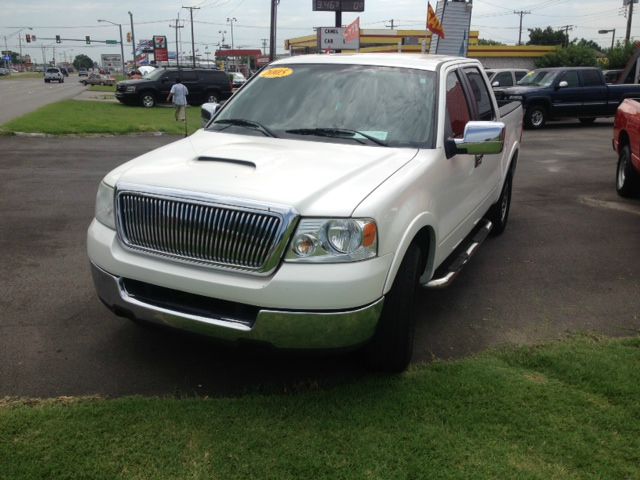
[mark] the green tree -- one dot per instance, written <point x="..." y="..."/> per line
<point x="548" y="36"/>
<point x="583" y="42"/>
<point x="482" y="41"/>
<point x="572" y="56"/>
<point x="620" y="55"/>
<point x="82" y="62"/>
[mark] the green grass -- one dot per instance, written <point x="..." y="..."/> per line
<point x="22" y="76"/>
<point x="102" y="88"/>
<point x="88" y="117"/>
<point x="568" y="410"/>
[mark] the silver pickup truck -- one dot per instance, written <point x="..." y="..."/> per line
<point x="313" y="205"/>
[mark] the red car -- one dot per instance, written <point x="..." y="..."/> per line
<point x="626" y="142"/>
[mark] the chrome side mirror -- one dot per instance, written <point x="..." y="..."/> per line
<point x="563" y="84"/>
<point x="495" y="84"/>
<point x="207" y="111"/>
<point x="481" y="138"/>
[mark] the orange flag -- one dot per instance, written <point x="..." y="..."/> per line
<point x="433" y="22"/>
<point x="352" y="32"/>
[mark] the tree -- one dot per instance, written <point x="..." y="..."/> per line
<point x="548" y="36"/>
<point x="583" y="42"/>
<point x="620" y="55"/>
<point x="482" y="41"/>
<point x="82" y="62"/>
<point x="572" y="56"/>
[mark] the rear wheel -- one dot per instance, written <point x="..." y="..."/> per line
<point x="148" y="100"/>
<point x="212" y="97"/>
<point x="627" y="179"/>
<point x="499" y="213"/>
<point x="535" y="117"/>
<point x="391" y="348"/>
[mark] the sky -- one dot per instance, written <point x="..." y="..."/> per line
<point x="75" y="19"/>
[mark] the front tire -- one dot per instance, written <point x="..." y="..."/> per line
<point x="535" y="117"/>
<point x="627" y="179"/>
<point x="391" y="348"/>
<point x="148" y="100"/>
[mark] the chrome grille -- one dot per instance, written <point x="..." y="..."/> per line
<point x="197" y="231"/>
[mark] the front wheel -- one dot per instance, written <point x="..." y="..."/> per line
<point x="391" y="348"/>
<point x="535" y="117"/>
<point x="148" y="100"/>
<point x="212" y="97"/>
<point x="627" y="179"/>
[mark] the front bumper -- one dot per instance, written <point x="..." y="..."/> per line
<point x="280" y="328"/>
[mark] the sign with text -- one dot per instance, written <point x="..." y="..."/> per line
<point x="112" y="61"/>
<point x="160" y="52"/>
<point x="338" y="5"/>
<point x="332" y="38"/>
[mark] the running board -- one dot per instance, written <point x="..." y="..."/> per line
<point x="454" y="267"/>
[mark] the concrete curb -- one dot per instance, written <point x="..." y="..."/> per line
<point x="87" y="135"/>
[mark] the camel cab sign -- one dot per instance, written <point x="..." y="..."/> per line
<point x="332" y="38"/>
<point x="338" y="5"/>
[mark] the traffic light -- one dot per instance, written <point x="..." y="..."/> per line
<point x="87" y="39"/>
<point x="128" y="37"/>
<point x="27" y="37"/>
<point x="58" y="39"/>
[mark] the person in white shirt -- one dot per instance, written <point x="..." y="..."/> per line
<point x="179" y="95"/>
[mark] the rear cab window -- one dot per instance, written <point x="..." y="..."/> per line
<point x="591" y="78"/>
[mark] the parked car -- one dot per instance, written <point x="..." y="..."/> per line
<point x="83" y="73"/>
<point x="53" y="74"/>
<point x="578" y="92"/>
<point x="505" y="77"/>
<point x="4" y="71"/>
<point x="98" y="79"/>
<point x="237" y="79"/>
<point x="203" y="85"/>
<point x="306" y="215"/>
<point x="626" y="143"/>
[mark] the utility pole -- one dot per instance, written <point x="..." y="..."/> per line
<point x="566" y="29"/>
<point x="177" y="26"/>
<point x="264" y="45"/>
<point x="274" y="24"/>
<point x="133" y="42"/>
<point x="6" y="63"/>
<point x="521" y="13"/>
<point x="193" y="44"/>
<point x="233" y="57"/>
<point x="392" y="23"/>
<point x="629" y="19"/>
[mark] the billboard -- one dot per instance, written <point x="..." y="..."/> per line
<point x="111" y="61"/>
<point x="332" y="38"/>
<point x="338" y="5"/>
<point x="160" y="52"/>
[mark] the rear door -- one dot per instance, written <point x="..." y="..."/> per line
<point x="594" y="96"/>
<point x="567" y="101"/>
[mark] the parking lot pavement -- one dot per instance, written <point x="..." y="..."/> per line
<point x="18" y="97"/>
<point x="568" y="262"/>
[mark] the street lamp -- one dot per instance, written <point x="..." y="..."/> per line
<point x="121" y="44"/>
<point x="613" y="37"/>
<point x="133" y="41"/>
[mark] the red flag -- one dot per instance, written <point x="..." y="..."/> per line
<point x="433" y="22"/>
<point x="352" y="32"/>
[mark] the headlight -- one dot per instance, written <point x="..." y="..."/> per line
<point x="515" y="97"/>
<point x="104" y="206"/>
<point x="333" y="240"/>
<point x="131" y="89"/>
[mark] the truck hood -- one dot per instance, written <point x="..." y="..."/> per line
<point x="315" y="178"/>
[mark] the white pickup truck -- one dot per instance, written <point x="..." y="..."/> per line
<point x="312" y="205"/>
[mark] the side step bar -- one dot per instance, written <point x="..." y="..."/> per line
<point x="445" y="276"/>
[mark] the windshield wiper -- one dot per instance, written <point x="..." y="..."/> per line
<point x="337" y="133"/>
<point x="240" y="122"/>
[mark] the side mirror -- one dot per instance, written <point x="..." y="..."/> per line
<point x="563" y="84"/>
<point x="207" y="111"/>
<point x="495" y="84"/>
<point x="481" y="138"/>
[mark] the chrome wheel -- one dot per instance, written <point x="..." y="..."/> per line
<point x="622" y="166"/>
<point x="537" y="118"/>
<point x="211" y="98"/>
<point x="148" y="101"/>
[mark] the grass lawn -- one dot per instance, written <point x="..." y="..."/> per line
<point x="22" y="76"/>
<point x="102" y="88"/>
<point x="566" y="410"/>
<point x="86" y="117"/>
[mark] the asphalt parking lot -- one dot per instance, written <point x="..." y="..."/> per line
<point x="568" y="262"/>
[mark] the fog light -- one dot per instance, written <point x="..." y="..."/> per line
<point x="304" y="245"/>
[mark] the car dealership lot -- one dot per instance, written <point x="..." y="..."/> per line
<point x="568" y="262"/>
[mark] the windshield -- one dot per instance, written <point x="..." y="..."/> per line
<point x="52" y="70"/>
<point x="538" y="78"/>
<point x="321" y="102"/>
<point x="155" y="75"/>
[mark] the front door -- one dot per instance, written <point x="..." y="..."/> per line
<point x="567" y="101"/>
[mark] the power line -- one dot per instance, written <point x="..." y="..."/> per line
<point x="522" y="13"/>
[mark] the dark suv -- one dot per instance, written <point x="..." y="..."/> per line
<point x="203" y="85"/>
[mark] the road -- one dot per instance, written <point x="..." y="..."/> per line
<point x="18" y="97"/>
<point x="568" y="262"/>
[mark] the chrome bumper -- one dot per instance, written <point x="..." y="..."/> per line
<point x="282" y="329"/>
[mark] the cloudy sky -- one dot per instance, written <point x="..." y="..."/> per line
<point x="74" y="19"/>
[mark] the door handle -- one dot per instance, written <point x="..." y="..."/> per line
<point x="478" y="160"/>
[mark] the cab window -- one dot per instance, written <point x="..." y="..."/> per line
<point x="457" y="112"/>
<point x="504" y="79"/>
<point x="571" y="77"/>
<point x="480" y="94"/>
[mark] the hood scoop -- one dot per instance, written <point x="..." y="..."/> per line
<point x="230" y="161"/>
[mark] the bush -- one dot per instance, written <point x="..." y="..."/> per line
<point x="620" y="55"/>
<point x="572" y="56"/>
